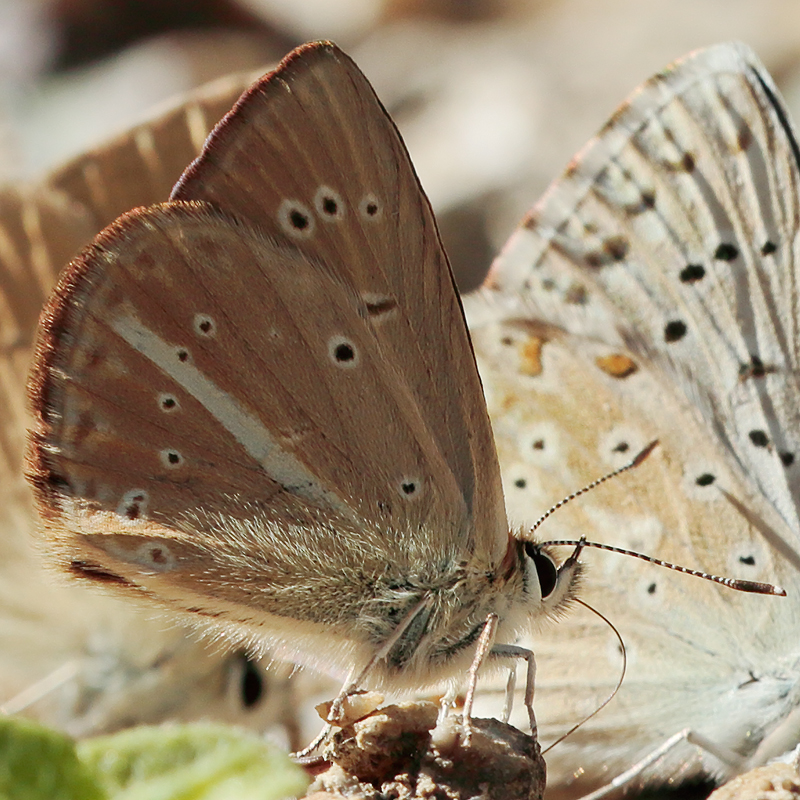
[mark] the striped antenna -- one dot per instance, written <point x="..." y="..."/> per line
<point x="754" y="587"/>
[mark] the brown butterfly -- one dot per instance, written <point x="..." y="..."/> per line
<point x="257" y="405"/>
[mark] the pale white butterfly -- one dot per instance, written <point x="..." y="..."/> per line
<point x="85" y="666"/>
<point x="652" y="293"/>
<point x="257" y="405"/>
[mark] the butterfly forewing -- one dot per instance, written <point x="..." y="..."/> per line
<point x="352" y="204"/>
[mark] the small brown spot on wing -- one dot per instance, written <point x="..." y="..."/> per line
<point x="510" y="401"/>
<point x="577" y="295"/>
<point x="744" y="138"/>
<point x="687" y="163"/>
<point x="85" y="427"/>
<point x="755" y="368"/>
<point x="531" y="220"/>
<point x="380" y="306"/>
<point x="647" y="202"/>
<point x="531" y="356"/>
<point x="617" y="365"/>
<point x="614" y="249"/>
<point x="145" y="261"/>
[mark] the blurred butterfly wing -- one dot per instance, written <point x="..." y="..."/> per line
<point x="40" y="230"/>
<point x="673" y="233"/>
<point x="28" y="264"/>
<point x="352" y="204"/>
<point x="44" y="226"/>
<point x="140" y="166"/>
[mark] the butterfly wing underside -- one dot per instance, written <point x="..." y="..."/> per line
<point x="655" y="284"/>
<point x="82" y="666"/>
<point x="266" y="386"/>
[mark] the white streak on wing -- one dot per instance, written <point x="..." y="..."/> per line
<point x="240" y="423"/>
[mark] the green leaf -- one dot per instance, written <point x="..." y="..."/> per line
<point x="191" y="762"/>
<point x="37" y="763"/>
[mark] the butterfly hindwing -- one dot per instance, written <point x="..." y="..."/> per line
<point x="566" y="410"/>
<point x="85" y="666"/>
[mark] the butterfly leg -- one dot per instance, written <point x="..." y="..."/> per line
<point x="511" y="684"/>
<point x="349" y="688"/>
<point x="446" y="704"/>
<point x="512" y="651"/>
<point x="483" y="649"/>
<point x="301" y="756"/>
<point x="351" y="685"/>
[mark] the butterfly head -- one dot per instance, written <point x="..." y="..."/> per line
<point x="551" y="586"/>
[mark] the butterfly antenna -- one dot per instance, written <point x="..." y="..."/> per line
<point x="613" y="691"/>
<point x="635" y="462"/>
<point x="755" y="587"/>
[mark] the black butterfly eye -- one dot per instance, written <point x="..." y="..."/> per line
<point x="545" y="569"/>
<point x="251" y="683"/>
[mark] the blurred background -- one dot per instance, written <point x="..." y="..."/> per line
<point x="492" y="96"/>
